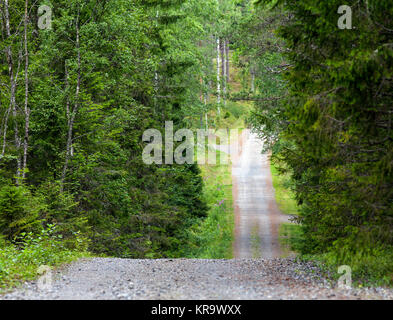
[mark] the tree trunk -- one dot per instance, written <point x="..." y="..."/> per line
<point x="222" y="53"/>
<point x="227" y="59"/>
<point x="205" y="102"/>
<point x="75" y="110"/>
<point x="224" y="71"/>
<point x="27" y="111"/>
<point x="13" y="84"/>
<point x="252" y="80"/>
<point x="218" y="77"/>
<point x="7" y="114"/>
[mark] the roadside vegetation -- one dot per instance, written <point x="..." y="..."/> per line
<point x="21" y="260"/>
<point x="369" y="268"/>
<point x="290" y="234"/>
<point x="284" y="196"/>
<point x="75" y="101"/>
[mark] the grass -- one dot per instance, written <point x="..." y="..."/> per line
<point x="255" y="242"/>
<point x="21" y="261"/>
<point x="289" y="233"/>
<point x="284" y="196"/>
<point x="233" y="115"/>
<point x="371" y="263"/>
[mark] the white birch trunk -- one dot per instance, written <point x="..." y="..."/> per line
<point x="218" y="77"/>
<point x="27" y="111"/>
<point x="224" y="69"/>
<point x="227" y="59"/>
<point x="69" y="148"/>
<point x="205" y="102"/>
<point x="13" y="84"/>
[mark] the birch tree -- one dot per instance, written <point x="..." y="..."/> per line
<point x="26" y="109"/>
<point x="218" y="76"/>
<point x="73" y="113"/>
<point x="13" y="72"/>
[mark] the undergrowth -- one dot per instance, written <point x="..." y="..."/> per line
<point x="21" y="259"/>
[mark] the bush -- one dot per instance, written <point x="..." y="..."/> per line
<point x="19" y="211"/>
<point x="62" y="210"/>
<point x="20" y="261"/>
<point x="237" y="110"/>
<point x="371" y="262"/>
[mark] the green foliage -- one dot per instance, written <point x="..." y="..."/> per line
<point x="371" y="264"/>
<point x="19" y="212"/>
<point x="120" y="67"/>
<point x="259" y="53"/>
<point x="291" y="236"/>
<point x="235" y="110"/>
<point x="20" y="261"/>
<point x="282" y="191"/>
<point x="59" y="209"/>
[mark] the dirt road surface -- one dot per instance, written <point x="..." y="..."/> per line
<point x="257" y="215"/>
<point x="238" y="279"/>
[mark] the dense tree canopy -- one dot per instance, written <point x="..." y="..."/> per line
<point x="75" y="101"/>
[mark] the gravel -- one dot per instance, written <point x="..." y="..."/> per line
<point x="190" y="279"/>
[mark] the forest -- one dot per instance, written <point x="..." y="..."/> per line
<point x="82" y="80"/>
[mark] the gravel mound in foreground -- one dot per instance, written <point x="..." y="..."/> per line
<point x="239" y="279"/>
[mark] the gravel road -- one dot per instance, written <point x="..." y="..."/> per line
<point x="251" y="279"/>
<point x="257" y="215"/>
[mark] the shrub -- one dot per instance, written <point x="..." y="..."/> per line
<point x="19" y="211"/>
<point x="19" y="261"/>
